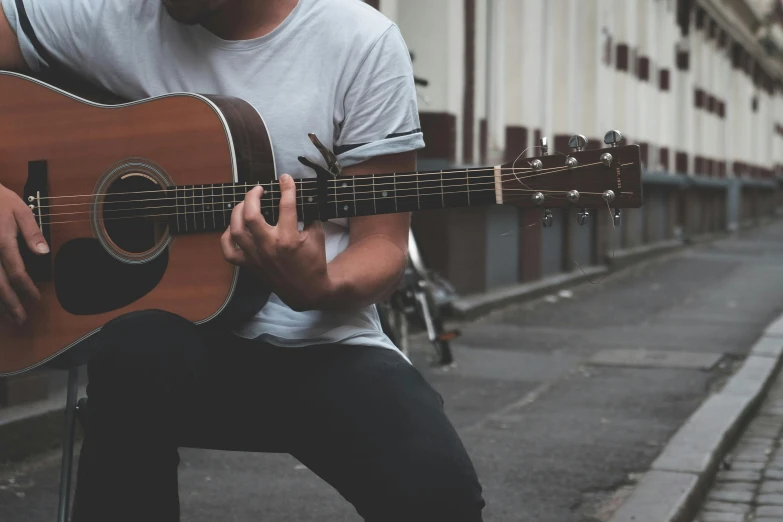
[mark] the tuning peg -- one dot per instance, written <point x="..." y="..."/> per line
<point x="616" y="217"/>
<point x="582" y="216"/>
<point x="544" y="146"/>
<point x="548" y="218"/>
<point x="577" y="142"/>
<point x="613" y="137"/>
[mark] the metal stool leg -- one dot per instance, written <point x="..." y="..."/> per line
<point x="67" y="460"/>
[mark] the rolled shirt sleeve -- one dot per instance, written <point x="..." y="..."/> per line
<point x="380" y="107"/>
<point x="53" y="30"/>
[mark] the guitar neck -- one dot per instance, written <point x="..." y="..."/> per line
<point x="204" y="208"/>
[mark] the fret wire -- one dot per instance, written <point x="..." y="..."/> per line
<point x="336" y="207"/>
<point x="353" y="184"/>
<point x="193" y="203"/>
<point x="418" y="198"/>
<point x="467" y="183"/>
<point x="234" y="197"/>
<point x="195" y="209"/>
<point x="212" y="203"/>
<point x="302" y="202"/>
<point x="223" y="204"/>
<point x="203" y="214"/>
<point x="394" y="176"/>
<point x="272" y="190"/>
<point x="374" y="208"/>
<point x="442" y="195"/>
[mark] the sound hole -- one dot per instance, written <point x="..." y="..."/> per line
<point x="134" y="213"/>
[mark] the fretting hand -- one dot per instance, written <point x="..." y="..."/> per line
<point x="290" y="262"/>
<point x="15" y="284"/>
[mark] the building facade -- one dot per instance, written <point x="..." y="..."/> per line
<point x="697" y="84"/>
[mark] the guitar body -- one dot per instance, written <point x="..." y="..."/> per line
<point x="57" y="146"/>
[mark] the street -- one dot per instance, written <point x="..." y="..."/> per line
<point x="556" y="435"/>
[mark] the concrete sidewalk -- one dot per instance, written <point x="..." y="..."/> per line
<point x="749" y="488"/>
<point x="563" y="402"/>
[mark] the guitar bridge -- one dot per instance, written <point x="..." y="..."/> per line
<point x="36" y="195"/>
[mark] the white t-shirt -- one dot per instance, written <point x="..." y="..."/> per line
<point x="338" y="68"/>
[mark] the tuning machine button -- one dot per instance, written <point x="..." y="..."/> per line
<point x="548" y="218"/>
<point x="613" y="137"/>
<point x="609" y="196"/>
<point x="577" y="142"/>
<point x="536" y="164"/>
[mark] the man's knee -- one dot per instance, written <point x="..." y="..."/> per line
<point x="436" y="487"/>
<point x="141" y="349"/>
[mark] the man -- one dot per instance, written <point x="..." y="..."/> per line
<point x="311" y="374"/>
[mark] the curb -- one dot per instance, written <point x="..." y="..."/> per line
<point x="675" y="486"/>
<point x="29" y="429"/>
<point x="630" y="256"/>
<point x="474" y="306"/>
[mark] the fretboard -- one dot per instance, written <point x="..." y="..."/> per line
<point x="204" y="208"/>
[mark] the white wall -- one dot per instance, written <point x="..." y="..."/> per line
<point x="545" y="70"/>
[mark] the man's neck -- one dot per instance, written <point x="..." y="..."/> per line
<point x="247" y="19"/>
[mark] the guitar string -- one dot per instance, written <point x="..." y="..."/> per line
<point x="510" y="200"/>
<point x="339" y="180"/>
<point x="300" y="205"/>
<point x="300" y="201"/>
<point x="273" y="192"/>
<point x="270" y="185"/>
<point x="217" y="201"/>
<point x="377" y="177"/>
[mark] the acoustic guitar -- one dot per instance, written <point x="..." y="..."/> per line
<point x="132" y="199"/>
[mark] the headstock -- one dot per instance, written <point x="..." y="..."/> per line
<point x="581" y="179"/>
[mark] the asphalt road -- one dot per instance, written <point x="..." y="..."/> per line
<point x="554" y="437"/>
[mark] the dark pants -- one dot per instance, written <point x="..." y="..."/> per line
<point x="361" y="418"/>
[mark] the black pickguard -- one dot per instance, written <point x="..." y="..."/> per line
<point x="89" y="281"/>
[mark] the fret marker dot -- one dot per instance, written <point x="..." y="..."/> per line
<point x="228" y="205"/>
<point x="310" y="199"/>
<point x="345" y="207"/>
<point x="345" y="184"/>
<point x="384" y="193"/>
<point x="209" y="207"/>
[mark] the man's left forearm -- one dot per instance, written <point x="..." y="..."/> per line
<point x="368" y="271"/>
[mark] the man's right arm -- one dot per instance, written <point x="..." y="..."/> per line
<point x="11" y="58"/>
<point x="15" y="217"/>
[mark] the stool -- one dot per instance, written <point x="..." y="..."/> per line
<point x="73" y="409"/>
